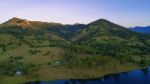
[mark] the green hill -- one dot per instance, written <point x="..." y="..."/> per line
<point x="107" y="37"/>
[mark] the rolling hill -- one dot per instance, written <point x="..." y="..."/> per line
<point x="108" y="38"/>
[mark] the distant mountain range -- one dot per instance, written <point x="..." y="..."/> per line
<point x="144" y="30"/>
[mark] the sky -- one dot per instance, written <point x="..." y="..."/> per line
<point x="128" y="13"/>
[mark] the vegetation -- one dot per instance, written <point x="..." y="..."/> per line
<point x="41" y="49"/>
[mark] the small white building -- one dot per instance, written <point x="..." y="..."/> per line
<point x="58" y="62"/>
<point x="18" y="73"/>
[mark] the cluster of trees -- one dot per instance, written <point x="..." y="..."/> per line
<point x="72" y="60"/>
<point x="113" y="49"/>
<point x="3" y="47"/>
<point x="144" y="62"/>
<point x="10" y="68"/>
<point x="14" y="64"/>
<point x="58" y="43"/>
<point x="100" y="52"/>
<point x="34" y="51"/>
<point x="47" y="53"/>
<point x="104" y="49"/>
<point x="15" y="58"/>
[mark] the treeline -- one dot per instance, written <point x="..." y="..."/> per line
<point x="103" y="55"/>
<point x="11" y="66"/>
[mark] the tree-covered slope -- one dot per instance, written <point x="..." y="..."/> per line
<point x="107" y="38"/>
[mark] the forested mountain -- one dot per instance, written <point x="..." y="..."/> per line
<point x="37" y="46"/>
<point x="109" y="39"/>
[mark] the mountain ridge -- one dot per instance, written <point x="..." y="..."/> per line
<point x="144" y="30"/>
<point x="24" y="23"/>
<point x="106" y="27"/>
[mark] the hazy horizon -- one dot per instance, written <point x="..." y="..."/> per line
<point x="123" y="12"/>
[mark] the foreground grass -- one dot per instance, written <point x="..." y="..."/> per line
<point x="47" y="74"/>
